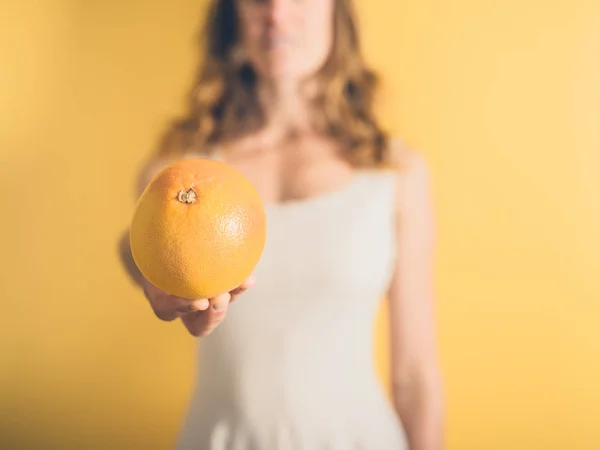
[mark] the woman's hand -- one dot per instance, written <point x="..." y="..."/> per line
<point x="200" y="316"/>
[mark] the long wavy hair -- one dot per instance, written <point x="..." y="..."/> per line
<point x="223" y="103"/>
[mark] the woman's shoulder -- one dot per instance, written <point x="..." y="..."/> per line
<point x="403" y="162"/>
<point x="412" y="174"/>
<point x="405" y="157"/>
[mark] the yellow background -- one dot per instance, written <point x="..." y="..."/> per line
<point x="502" y="97"/>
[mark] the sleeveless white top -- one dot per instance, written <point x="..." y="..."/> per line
<point x="292" y="367"/>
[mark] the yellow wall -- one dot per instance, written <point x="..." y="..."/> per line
<point x="502" y="97"/>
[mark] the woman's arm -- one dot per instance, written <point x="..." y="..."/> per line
<point x="416" y="380"/>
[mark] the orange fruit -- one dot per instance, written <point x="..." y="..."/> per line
<point x="198" y="229"/>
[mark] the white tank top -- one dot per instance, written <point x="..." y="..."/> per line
<point x="292" y="367"/>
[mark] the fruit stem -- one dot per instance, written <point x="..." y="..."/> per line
<point x="187" y="197"/>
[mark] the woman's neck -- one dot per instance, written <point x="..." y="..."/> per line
<point x="287" y="110"/>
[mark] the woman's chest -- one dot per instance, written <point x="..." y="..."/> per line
<point x="332" y="254"/>
<point x="292" y="170"/>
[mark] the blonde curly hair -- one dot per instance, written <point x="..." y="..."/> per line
<point x="223" y="103"/>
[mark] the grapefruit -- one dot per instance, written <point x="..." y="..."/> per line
<point x="198" y="229"/>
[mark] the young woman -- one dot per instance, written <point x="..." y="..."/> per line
<point x="285" y="96"/>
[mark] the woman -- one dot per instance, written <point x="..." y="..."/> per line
<point x="284" y="95"/>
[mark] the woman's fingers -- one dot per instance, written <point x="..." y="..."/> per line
<point x="247" y="284"/>
<point x="211" y="312"/>
<point x="200" y="316"/>
<point x="169" y="307"/>
<point x="202" y="323"/>
<point x="188" y="306"/>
